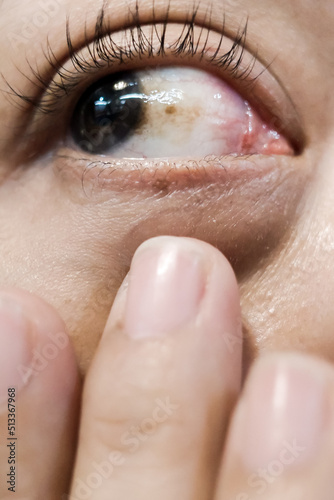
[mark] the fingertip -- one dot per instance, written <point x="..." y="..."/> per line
<point x="34" y="341"/>
<point x="39" y="375"/>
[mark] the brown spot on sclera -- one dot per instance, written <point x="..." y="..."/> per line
<point x="170" y="110"/>
<point x="161" y="185"/>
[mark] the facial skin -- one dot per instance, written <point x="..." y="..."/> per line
<point x="272" y="218"/>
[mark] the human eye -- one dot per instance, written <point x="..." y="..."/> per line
<point x="170" y="112"/>
<point x="160" y="90"/>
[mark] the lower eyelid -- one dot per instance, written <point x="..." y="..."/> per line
<point x="245" y="204"/>
<point x="135" y="175"/>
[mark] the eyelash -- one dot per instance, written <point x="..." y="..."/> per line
<point x="104" y="53"/>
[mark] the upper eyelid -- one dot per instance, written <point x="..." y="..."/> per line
<point x="102" y="42"/>
<point x="114" y="55"/>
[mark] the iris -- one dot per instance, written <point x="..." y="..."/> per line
<point x="108" y="113"/>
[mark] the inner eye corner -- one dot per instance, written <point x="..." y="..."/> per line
<point x="294" y="135"/>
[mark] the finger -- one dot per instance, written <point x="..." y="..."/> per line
<point x="281" y="441"/>
<point x="166" y="374"/>
<point x="38" y="399"/>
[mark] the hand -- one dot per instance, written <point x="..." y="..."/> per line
<point x="159" y="395"/>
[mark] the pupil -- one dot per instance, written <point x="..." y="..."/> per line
<point x="108" y="113"/>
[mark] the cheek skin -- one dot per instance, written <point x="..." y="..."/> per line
<point x="74" y="252"/>
<point x="289" y="303"/>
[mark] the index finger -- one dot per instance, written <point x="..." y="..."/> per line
<point x="164" y="379"/>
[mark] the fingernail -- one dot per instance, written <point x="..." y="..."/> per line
<point x="166" y="285"/>
<point x="284" y="415"/>
<point x="15" y="346"/>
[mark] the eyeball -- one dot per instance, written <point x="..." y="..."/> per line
<point x="170" y="112"/>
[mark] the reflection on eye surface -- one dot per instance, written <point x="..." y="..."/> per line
<point x="170" y="112"/>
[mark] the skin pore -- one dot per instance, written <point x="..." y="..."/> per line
<point x="256" y="221"/>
